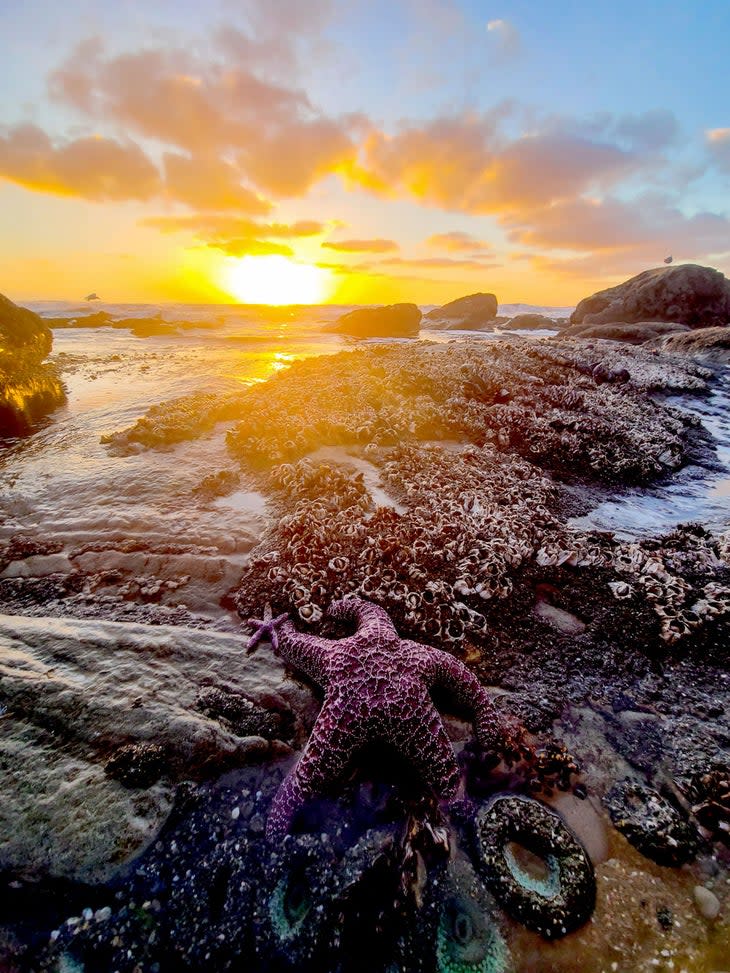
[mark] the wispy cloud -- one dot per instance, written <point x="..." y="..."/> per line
<point x="457" y="242"/>
<point x="611" y="237"/>
<point x="507" y="37"/>
<point x="252" y="248"/>
<point x="209" y="183"/>
<point x="362" y="246"/>
<point x="438" y="263"/>
<point x="208" y="226"/>
<point x="715" y="135"/>
<point x="718" y="147"/>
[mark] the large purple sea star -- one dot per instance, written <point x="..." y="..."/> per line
<point x="376" y="689"/>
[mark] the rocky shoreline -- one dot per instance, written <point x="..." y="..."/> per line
<point x="438" y="481"/>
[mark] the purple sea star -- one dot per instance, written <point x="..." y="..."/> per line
<point x="266" y="629"/>
<point x="376" y="689"/>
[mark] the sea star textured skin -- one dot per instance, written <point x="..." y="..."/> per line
<point x="376" y="689"/>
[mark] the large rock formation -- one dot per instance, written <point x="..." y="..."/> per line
<point x="102" y="719"/>
<point x="393" y="321"/>
<point x="28" y="388"/>
<point x="693" y="295"/>
<point x="469" y="312"/>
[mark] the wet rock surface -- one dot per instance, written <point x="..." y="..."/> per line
<point x="101" y="720"/>
<point x="29" y="389"/>
<point x="693" y="295"/>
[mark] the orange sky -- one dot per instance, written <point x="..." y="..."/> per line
<point x="170" y="152"/>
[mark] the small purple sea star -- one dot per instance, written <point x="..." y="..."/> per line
<point x="376" y="689"/>
<point x="266" y="629"/>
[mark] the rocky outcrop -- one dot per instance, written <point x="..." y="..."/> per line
<point x="469" y="312"/>
<point x="708" y="343"/>
<point x="99" y="319"/>
<point x="530" y="322"/>
<point x="632" y="334"/>
<point x="147" y="327"/>
<point x="102" y="719"/>
<point x="693" y="295"/>
<point x="143" y="327"/>
<point x="28" y="388"/>
<point x="393" y="321"/>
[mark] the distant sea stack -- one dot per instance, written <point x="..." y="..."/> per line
<point x="393" y="321"/>
<point x="470" y="313"/>
<point x="687" y="293"/>
<point x="29" y="388"/>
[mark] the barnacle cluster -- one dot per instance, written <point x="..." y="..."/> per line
<point x="473" y="517"/>
<point x="707" y="793"/>
<point x="184" y="418"/>
<point x="468" y="518"/>
<point x="646" y="370"/>
<point x="524" y="398"/>
<point x="673" y="579"/>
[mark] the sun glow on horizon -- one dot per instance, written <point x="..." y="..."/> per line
<point x="275" y="280"/>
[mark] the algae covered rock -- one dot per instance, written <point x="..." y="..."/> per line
<point x="394" y="321"/>
<point x="28" y="388"/>
<point x="688" y="293"/>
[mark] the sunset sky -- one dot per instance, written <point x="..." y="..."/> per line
<point x="413" y="150"/>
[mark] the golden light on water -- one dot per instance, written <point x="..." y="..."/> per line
<point x="275" y="280"/>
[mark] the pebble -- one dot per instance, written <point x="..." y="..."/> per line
<point x="235" y="813"/>
<point x="707" y="902"/>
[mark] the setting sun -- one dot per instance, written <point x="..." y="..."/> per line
<point x="275" y="280"/>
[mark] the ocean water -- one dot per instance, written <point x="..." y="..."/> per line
<point x="693" y="495"/>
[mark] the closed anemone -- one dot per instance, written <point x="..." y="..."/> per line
<point x="467" y="940"/>
<point x="290" y="905"/>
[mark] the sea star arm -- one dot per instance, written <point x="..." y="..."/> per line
<point x="372" y="622"/>
<point x="304" y="652"/>
<point x="441" y="669"/>
<point x="326" y="755"/>
<point x="426" y="745"/>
